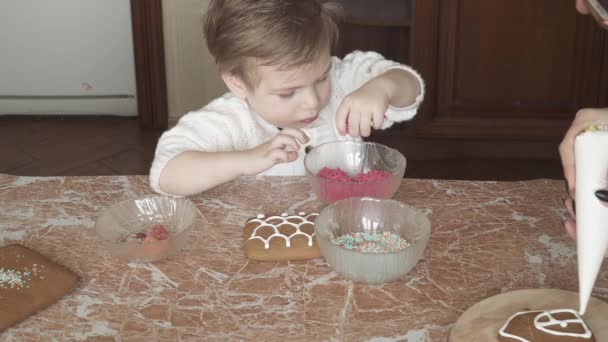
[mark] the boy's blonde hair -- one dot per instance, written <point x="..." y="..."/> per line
<point x="243" y="33"/>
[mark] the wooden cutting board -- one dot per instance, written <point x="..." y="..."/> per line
<point x="481" y="322"/>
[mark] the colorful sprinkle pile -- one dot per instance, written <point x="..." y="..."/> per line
<point x="371" y="243"/>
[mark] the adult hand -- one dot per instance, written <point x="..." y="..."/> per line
<point x="583" y="120"/>
<point x="582" y="8"/>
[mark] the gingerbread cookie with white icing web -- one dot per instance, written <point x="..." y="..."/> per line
<point x="546" y="326"/>
<point x="284" y="237"/>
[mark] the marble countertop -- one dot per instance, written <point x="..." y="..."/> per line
<point x="487" y="238"/>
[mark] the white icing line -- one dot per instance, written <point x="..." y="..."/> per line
<point x="284" y="218"/>
<point x="562" y="323"/>
<point x="552" y="321"/>
<point x="267" y="241"/>
<point x="502" y="331"/>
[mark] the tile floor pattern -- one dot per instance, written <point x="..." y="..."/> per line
<point x="69" y="146"/>
<point x="89" y="146"/>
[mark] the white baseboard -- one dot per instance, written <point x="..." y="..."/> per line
<point x="120" y="105"/>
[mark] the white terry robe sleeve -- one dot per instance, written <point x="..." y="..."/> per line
<point x="359" y="67"/>
<point x="215" y="128"/>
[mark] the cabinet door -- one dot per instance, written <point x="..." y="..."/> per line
<point x="504" y="79"/>
<point x="380" y="25"/>
<point x="498" y="69"/>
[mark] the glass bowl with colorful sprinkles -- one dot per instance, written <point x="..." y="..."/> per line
<point x="370" y="240"/>
<point x="146" y="229"/>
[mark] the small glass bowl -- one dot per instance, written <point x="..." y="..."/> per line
<point x="118" y="226"/>
<point x="371" y="216"/>
<point x="354" y="158"/>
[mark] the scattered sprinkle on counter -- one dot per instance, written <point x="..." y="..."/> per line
<point x="371" y="243"/>
<point x="13" y="279"/>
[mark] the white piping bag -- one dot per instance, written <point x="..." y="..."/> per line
<point x="591" y="160"/>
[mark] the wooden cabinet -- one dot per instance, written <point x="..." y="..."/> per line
<point x="504" y="78"/>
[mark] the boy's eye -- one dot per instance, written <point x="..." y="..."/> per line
<point x="323" y="78"/>
<point x="286" y="96"/>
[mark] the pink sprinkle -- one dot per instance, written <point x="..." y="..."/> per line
<point x="341" y="175"/>
<point x="159" y="232"/>
<point x="336" y="184"/>
<point x="372" y="176"/>
<point x="335" y="174"/>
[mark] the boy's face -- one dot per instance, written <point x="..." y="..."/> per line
<point x="291" y="98"/>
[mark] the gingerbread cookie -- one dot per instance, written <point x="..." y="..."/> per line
<point x="545" y="326"/>
<point x="29" y="282"/>
<point x="285" y="237"/>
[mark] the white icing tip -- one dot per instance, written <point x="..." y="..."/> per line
<point x="284" y="214"/>
<point x="260" y="216"/>
<point x="302" y="213"/>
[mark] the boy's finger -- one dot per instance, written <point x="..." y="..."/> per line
<point x="298" y="134"/>
<point x="281" y="156"/>
<point x="342" y="117"/>
<point x="353" y="124"/>
<point x="291" y="156"/>
<point x="366" y="123"/>
<point x="283" y="140"/>
<point x="378" y="119"/>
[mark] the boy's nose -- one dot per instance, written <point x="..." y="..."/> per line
<point x="312" y="100"/>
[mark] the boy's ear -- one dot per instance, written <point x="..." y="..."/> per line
<point x="236" y="85"/>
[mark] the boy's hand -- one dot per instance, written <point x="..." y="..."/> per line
<point x="283" y="148"/>
<point x="364" y="108"/>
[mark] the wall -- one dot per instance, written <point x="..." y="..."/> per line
<point x="192" y="77"/>
<point x="66" y="57"/>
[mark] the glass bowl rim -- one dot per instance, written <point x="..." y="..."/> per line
<point x="402" y="160"/>
<point x="114" y="206"/>
<point x="425" y="236"/>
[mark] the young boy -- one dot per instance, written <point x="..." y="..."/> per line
<point x="286" y="93"/>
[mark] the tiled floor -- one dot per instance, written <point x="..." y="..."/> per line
<point x="56" y="146"/>
<point x="51" y="146"/>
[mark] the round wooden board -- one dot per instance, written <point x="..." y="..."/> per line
<point x="481" y="322"/>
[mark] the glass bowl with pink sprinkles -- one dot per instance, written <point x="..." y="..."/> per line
<point x="342" y="169"/>
<point x="371" y="240"/>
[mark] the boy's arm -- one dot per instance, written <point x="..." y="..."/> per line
<point x="208" y="148"/>
<point x="192" y="172"/>
<point x="407" y="95"/>
<point x="196" y="131"/>
<point x="401" y="86"/>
